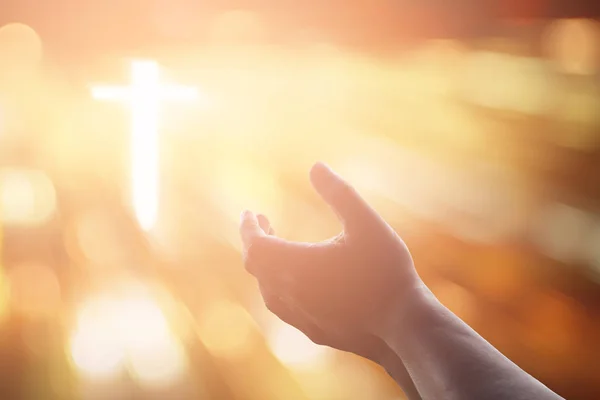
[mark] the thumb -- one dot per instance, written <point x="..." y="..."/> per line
<point x="340" y="195"/>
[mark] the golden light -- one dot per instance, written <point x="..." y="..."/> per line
<point x="415" y="194"/>
<point x="34" y="290"/>
<point x="239" y="185"/>
<point x="144" y="97"/>
<point x="225" y="329"/>
<point x="507" y="82"/>
<point x="129" y="331"/>
<point x="20" y="46"/>
<point x="27" y="197"/>
<point x="294" y="349"/>
<point x="93" y="237"/>
<point x="574" y="44"/>
<point x="156" y="358"/>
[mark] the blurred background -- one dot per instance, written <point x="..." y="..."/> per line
<point x="473" y="127"/>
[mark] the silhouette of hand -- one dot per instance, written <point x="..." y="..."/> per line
<point x="336" y="291"/>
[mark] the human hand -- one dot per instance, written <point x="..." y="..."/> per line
<point x="342" y="287"/>
<point x="364" y="345"/>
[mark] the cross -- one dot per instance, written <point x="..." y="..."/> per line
<point x="144" y="96"/>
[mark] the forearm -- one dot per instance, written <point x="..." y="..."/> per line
<point x="397" y="370"/>
<point x="447" y="359"/>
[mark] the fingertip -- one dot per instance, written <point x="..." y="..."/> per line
<point x="249" y="220"/>
<point x="338" y="193"/>
<point x="249" y="227"/>
<point x="320" y="165"/>
<point x="319" y="170"/>
<point x="246" y="215"/>
<point x="326" y="181"/>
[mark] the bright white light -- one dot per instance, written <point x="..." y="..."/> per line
<point x="160" y="365"/>
<point x="132" y="331"/>
<point x="143" y="324"/>
<point x="96" y="355"/>
<point x="293" y="348"/>
<point x="144" y="97"/>
<point x="96" y="350"/>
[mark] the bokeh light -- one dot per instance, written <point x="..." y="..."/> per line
<point x="226" y="329"/>
<point x="160" y="365"/>
<point x="95" y="345"/>
<point x="93" y="237"/>
<point x="142" y="323"/>
<point x="127" y="330"/>
<point x="27" y="197"/>
<point x="480" y="151"/>
<point x="293" y="348"/>
<point x="20" y="46"/>
<point x="574" y="45"/>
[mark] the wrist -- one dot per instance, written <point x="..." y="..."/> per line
<point x="374" y="349"/>
<point x="398" y="315"/>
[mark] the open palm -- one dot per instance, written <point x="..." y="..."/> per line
<point x="338" y="286"/>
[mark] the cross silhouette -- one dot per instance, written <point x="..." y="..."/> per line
<point x="144" y="97"/>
